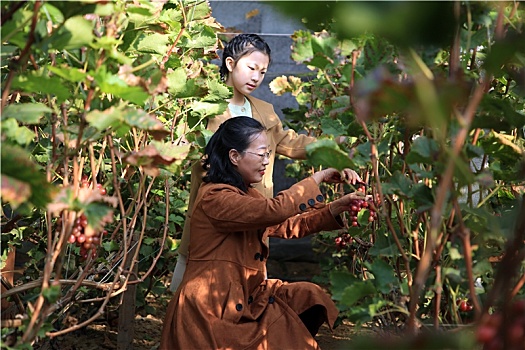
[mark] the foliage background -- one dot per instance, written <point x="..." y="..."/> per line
<point x="115" y="95"/>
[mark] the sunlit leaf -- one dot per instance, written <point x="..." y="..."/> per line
<point x="35" y="82"/>
<point x="17" y="164"/>
<point x="75" y="33"/>
<point x="14" y="191"/>
<point x="28" y="113"/>
<point x="19" y="134"/>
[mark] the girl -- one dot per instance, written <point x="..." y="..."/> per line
<point x="224" y="300"/>
<point x="245" y="61"/>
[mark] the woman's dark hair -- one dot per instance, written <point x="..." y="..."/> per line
<point x="235" y="133"/>
<point x="242" y="45"/>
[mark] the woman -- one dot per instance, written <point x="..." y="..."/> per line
<point x="224" y="300"/>
<point x="245" y="61"/>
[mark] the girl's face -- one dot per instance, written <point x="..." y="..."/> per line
<point x="248" y="73"/>
<point x="251" y="163"/>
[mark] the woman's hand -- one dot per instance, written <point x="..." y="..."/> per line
<point x="332" y="175"/>
<point x="344" y="203"/>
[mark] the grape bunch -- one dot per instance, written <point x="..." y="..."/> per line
<point x="83" y="235"/>
<point x="343" y="241"/>
<point x="495" y="334"/>
<point x="88" y="240"/>
<point x="358" y="205"/>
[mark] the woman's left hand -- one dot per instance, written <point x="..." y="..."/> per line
<point x="332" y="175"/>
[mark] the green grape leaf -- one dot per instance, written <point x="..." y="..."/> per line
<point x="327" y="153"/>
<point x="27" y="113"/>
<point x="356" y="291"/>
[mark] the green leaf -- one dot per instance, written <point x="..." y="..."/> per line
<point x="302" y="46"/>
<point x="384" y="246"/>
<point x="140" y="119"/>
<point x="112" y="84"/>
<point x="51" y="294"/>
<point x="110" y="246"/>
<point x="328" y="154"/>
<point x="332" y="127"/>
<point x="17" y="164"/>
<point x="102" y="120"/>
<point x="172" y="17"/>
<point x="423" y="196"/>
<point x="28" y="113"/>
<point x="205" y="109"/>
<point x="75" y="33"/>
<point x="399" y="184"/>
<point x="154" y="44"/>
<point x="36" y="82"/>
<point x="206" y="37"/>
<point x="340" y="280"/>
<point x="362" y="217"/>
<point x="177" y="81"/>
<point x="19" y="134"/>
<point x="68" y="73"/>
<point x="424" y="150"/>
<point x="385" y="279"/>
<point x="356" y="291"/>
<point x="95" y="212"/>
<point x="217" y="91"/>
<point x="172" y="150"/>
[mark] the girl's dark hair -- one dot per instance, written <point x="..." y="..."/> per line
<point x="242" y="45"/>
<point x="235" y="133"/>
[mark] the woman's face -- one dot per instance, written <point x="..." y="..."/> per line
<point x="248" y="73"/>
<point x="251" y="163"/>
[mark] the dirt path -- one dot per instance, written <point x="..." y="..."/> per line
<point x="103" y="334"/>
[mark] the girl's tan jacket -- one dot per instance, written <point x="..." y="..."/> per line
<point x="284" y="142"/>
<point x="224" y="301"/>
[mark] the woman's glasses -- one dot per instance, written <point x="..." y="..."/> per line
<point x="261" y="155"/>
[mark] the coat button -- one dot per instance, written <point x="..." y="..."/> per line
<point x="271" y="300"/>
<point x="311" y="202"/>
<point x="302" y="207"/>
<point x="257" y="256"/>
<point x="320" y="198"/>
<point x="238" y="307"/>
<point x="250" y="299"/>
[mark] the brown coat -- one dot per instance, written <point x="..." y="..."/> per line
<point x="224" y="301"/>
<point x="284" y="142"/>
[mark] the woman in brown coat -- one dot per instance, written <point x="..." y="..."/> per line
<point x="224" y="300"/>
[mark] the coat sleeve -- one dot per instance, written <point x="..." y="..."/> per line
<point x="301" y="225"/>
<point x="286" y="142"/>
<point x="229" y="209"/>
<point x="290" y="143"/>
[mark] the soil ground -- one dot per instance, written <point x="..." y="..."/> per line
<point x="102" y="334"/>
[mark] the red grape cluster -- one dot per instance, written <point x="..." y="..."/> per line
<point x="464" y="305"/>
<point x="493" y="336"/>
<point x="83" y="236"/>
<point x="87" y="240"/>
<point x="343" y="241"/>
<point x="360" y="204"/>
<point x="85" y="184"/>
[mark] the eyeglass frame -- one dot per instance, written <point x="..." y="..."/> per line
<point x="264" y="155"/>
